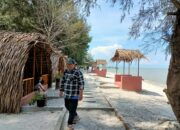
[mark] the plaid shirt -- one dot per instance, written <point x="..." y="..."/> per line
<point x="72" y="82"/>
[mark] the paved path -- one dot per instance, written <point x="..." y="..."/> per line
<point x="104" y="107"/>
<point x="95" y="111"/>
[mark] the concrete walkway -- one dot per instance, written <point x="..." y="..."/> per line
<point x="104" y="107"/>
<point x="95" y="111"/>
<point x="35" y="118"/>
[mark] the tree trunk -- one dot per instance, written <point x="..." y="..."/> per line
<point x="173" y="79"/>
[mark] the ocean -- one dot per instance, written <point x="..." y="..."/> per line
<point x="155" y="76"/>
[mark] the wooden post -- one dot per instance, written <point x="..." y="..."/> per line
<point x="129" y="68"/>
<point x="124" y="67"/>
<point x="26" y="88"/>
<point x="34" y="63"/>
<point x="41" y="61"/>
<point x="138" y="66"/>
<point x="116" y="68"/>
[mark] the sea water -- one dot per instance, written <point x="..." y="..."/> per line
<point x="156" y="76"/>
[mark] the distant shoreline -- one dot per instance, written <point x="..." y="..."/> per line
<point x="161" y="85"/>
<point x="155" y="83"/>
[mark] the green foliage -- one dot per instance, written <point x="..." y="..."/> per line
<point x="59" y="20"/>
<point x="37" y="96"/>
<point x="16" y="15"/>
<point x="79" y="43"/>
<point x="88" y="60"/>
<point x="58" y="75"/>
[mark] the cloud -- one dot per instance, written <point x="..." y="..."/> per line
<point x="104" y="52"/>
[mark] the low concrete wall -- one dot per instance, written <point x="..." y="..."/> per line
<point x="118" y="77"/>
<point x="26" y="99"/>
<point x="93" y="71"/>
<point x="132" y="83"/>
<point x="128" y="82"/>
<point x="102" y="73"/>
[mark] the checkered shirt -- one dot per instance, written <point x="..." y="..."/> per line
<point x="72" y="82"/>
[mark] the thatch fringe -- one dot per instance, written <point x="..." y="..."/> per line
<point x="100" y="61"/>
<point x="127" y="55"/>
<point x="14" y="51"/>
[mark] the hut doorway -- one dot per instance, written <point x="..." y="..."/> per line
<point x="38" y="65"/>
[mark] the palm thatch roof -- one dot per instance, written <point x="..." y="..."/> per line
<point x="127" y="55"/>
<point x="14" y="52"/>
<point x="100" y="61"/>
<point x="93" y="64"/>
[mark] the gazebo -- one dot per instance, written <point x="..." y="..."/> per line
<point x="96" y="67"/>
<point x="24" y="59"/>
<point x="127" y="81"/>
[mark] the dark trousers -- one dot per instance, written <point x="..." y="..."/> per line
<point x="71" y="106"/>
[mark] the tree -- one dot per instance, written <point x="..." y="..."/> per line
<point x="89" y="59"/>
<point x="59" y="20"/>
<point x="79" y="43"/>
<point x="15" y="15"/>
<point x="166" y="31"/>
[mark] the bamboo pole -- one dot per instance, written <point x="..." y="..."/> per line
<point x="34" y="64"/>
<point x="27" y="79"/>
<point x="129" y="68"/>
<point x="41" y="61"/>
<point x="124" y="67"/>
<point x="116" y="68"/>
<point x="26" y="88"/>
<point x="138" y="66"/>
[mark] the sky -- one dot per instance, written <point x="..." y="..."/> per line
<point x="109" y="34"/>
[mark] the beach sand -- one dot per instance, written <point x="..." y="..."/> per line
<point x="146" y="110"/>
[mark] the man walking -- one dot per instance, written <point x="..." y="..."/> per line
<point x="72" y="86"/>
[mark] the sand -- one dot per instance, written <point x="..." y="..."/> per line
<point x="146" y="110"/>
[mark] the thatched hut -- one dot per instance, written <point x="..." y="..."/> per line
<point x="124" y="81"/>
<point x="96" y="67"/>
<point x="126" y="55"/>
<point x="58" y="62"/>
<point x="24" y="58"/>
<point x="101" y="62"/>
